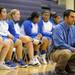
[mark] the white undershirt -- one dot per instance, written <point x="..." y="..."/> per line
<point x="47" y="27"/>
<point x="17" y="28"/>
<point x="22" y="30"/>
<point x="34" y="28"/>
<point x="4" y="28"/>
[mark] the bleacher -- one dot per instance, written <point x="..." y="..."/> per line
<point x="27" y="6"/>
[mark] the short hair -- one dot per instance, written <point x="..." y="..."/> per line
<point x="45" y="9"/>
<point x="67" y="12"/>
<point x="54" y="15"/>
<point x="34" y="14"/>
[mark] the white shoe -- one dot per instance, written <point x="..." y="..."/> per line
<point x="43" y="61"/>
<point x="34" y="61"/>
<point x="37" y="61"/>
<point x="4" y="67"/>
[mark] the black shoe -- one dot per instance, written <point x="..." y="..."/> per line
<point x="60" y="71"/>
<point x="67" y="68"/>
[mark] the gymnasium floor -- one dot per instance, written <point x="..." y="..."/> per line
<point x="30" y="70"/>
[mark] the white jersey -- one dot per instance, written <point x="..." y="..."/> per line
<point x="22" y="30"/>
<point x="47" y="27"/>
<point x="17" y="28"/>
<point x="34" y="28"/>
<point x="4" y="28"/>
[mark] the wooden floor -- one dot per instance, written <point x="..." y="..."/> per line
<point x="30" y="70"/>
